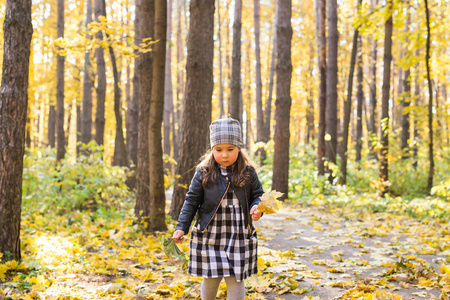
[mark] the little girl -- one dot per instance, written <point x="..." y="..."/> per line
<point x="224" y="194"/>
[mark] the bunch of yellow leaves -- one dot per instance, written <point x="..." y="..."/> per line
<point x="269" y="203"/>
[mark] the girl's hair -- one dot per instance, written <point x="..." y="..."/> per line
<point x="239" y="173"/>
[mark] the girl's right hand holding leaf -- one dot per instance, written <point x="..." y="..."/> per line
<point x="178" y="236"/>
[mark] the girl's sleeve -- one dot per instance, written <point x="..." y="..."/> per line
<point x="257" y="190"/>
<point x="193" y="200"/>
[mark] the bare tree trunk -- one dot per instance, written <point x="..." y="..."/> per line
<point x="332" y="80"/>
<point x="101" y="79"/>
<point x="86" y="124"/>
<point x="383" y="172"/>
<point x="17" y="34"/>
<point x="310" y="132"/>
<point x="322" y="62"/>
<point x="259" y="104"/>
<point x="157" y="218"/>
<point x="145" y="69"/>
<point x="197" y="107"/>
<point x="236" y="92"/>
<point x="268" y="110"/>
<point x="219" y="37"/>
<point x="120" y="150"/>
<point x="52" y="126"/>
<point x="348" y="109"/>
<point x="280" y="180"/>
<point x="416" y="104"/>
<point x="60" y="138"/>
<point x="360" y="97"/>
<point x="372" y="134"/>
<point x="133" y="108"/>
<point x="430" y="102"/>
<point x="168" y="89"/>
<point x="180" y="79"/>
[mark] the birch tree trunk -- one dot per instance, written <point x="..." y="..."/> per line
<point x="258" y="92"/>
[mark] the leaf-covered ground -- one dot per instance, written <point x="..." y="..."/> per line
<point x="305" y="251"/>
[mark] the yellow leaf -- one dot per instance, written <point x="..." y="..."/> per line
<point x="269" y="203"/>
<point x="40" y="283"/>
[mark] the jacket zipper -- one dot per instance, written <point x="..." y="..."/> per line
<point x="204" y="230"/>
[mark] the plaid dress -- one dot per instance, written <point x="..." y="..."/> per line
<point x="226" y="248"/>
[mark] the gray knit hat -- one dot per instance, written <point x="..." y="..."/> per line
<point x="225" y="131"/>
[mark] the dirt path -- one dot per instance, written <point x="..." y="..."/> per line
<point x="334" y="249"/>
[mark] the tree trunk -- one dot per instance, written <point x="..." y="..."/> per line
<point x="219" y="37"/>
<point x="120" y="150"/>
<point x="283" y="101"/>
<point x="60" y="138"/>
<point x="157" y="218"/>
<point x="17" y="32"/>
<point x="86" y="124"/>
<point x="197" y="106"/>
<point x="180" y="79"/>
<point x="268" y="110"/>
<point x="101" y="79"/>
<point x="430" y="102"/>
<point x="348" y="109"/>
<point x="145" y="69"/>
<point x="259" y="104"/>
<point x="383" y="172"/>
<point x="235" y="105"/>
<point x="372" y="134"/>
<point x="360" y="98"/>
<point x="168" y="89"/>
<point x="322" y="62"/>
<point x="52" y="126"/>
<point x="417" y="103"/>
<point x="332" y="80"/>
<point x="133" y="108"/>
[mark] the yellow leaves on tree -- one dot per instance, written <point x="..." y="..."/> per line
<point x="269" y="203"/>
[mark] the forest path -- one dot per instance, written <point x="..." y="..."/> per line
<point x="381" y="251"/>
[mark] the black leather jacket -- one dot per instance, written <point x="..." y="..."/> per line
<point x="206" y="201"/>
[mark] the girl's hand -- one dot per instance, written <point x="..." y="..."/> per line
<point x="178" y="236"/>
<point x="256" y="214"/>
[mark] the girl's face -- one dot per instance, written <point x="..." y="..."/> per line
<point x="225" y="154"/>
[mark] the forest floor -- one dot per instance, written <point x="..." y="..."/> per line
<point x="337" y="254"/>
<point x="305" y="252"/>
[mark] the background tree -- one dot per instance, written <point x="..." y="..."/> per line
<point x="384" y="150"/>
<point x="283" y="103"/>
<point x="86" y="124"/>
<point x="101" y="78"/>
<point x="236" y="92"/>
<point x="332" y="79"/>
<point x="168" y="90"/>
<point x="322" y="63"/>
<point x="157" y="192"/>
<point x="196" y="116"/>
<point x="360" y="99"/>
<point x="145" y="69"/>
<point x="430" y="101"/>
<point x="60" y="59"/>
<point x="14" y="102"/>
<point x="347" y="107"/>
<point x="372" y="128"/>
<point x="258" y="94"/>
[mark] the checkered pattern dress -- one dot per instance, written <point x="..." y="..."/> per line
<point x="226" y="248"/>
